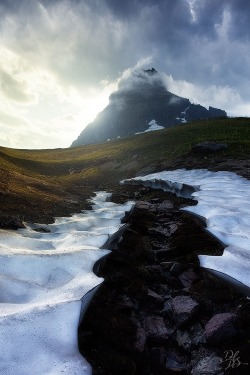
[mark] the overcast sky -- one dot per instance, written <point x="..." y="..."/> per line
<point x="60" y="59"/>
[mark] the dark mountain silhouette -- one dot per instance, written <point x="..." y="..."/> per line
<point x="140" y="99"/>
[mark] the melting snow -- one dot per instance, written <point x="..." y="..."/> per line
<point x="46" y="283"/>
<point x="224" y="205"/>
<point x="182" y="119"/>
<point x="152" y="127"/>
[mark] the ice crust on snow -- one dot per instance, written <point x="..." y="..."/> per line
<point x="46" y="284"/>
<point x="224" y="205"/>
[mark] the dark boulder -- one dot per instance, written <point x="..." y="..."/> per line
<point x="183" y="308"/>
<point x="208" y="147"/>
<point x="219" y="327"/>
<point x="10" y="222"/>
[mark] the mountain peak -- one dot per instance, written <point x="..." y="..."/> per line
<point x="151" y="71"/>
<point x="140" y="98"/>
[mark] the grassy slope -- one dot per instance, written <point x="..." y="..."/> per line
<point x="39" y="184"/>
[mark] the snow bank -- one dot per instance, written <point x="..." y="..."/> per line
<point x="224" y="205"/>
<point x="153" y="126"/>
<point x="46" y="283"/>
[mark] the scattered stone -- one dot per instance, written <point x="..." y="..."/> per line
<point x="156" y="329"/>
<point x="154" y="297"/>
<point x="165" y="205"/>
<point x="154" y="200"/>
<point x="183" y="340"/>
<point x="167" y="309"/>
<point x="167" y="265"/>
<point x="141" y="337"/>
<point x="190" y="338"/>
<point x="173" y="282"/>
<point x="184" y="308"/>
<point x="188" y="278"/>
<point x="219" y="327"/>
<point x="165" y="232"/>
<point x="196" y="333"/>
<point x="145" y="206"/>
<point x="159" y="231"/>
<point x="176" y="363"/>
<point x="211" y="365"/>
<point x="176" y="269"/>
<point x="125" y="304"/>
<point x="154" y="268"/>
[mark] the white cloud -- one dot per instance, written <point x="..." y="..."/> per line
<point x="223" y="97"/>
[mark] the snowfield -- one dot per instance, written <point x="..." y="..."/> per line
<point x="224" y="205"/>
<point x="46" y="284"/>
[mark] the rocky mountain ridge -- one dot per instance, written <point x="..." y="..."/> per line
<point x="139" y="100"/>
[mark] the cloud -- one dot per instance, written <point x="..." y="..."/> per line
<point x="223" y="97"/>
<point x="13" y="88"/>
<point x="66" y="56"/>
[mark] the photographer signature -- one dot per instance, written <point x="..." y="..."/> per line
<point x="233" y="359"/>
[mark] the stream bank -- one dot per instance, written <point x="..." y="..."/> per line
<point x="157" y="311"/>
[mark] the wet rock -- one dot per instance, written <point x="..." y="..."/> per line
<point x="156" y="329"/>
<point x="140" y="337"/>
<point x="42" y="230"/>
<point x="125" y="304"/>
<point x="165" y="205"/>
<point x="176" y="269"/>
<point x="196" y="333"/>
<point x="154" y="297"/>
<point x="184" y="308"/>
<point x="10" y="222"/>
<point x="145" y="206"/>
<point x="188" y="278"/>
<point x="159" y="254"/>
<point x="219" y="327"/>
<point x="190" y="338"/>
<point x="176" y="363"/>
<point x="183" y="340"/>
<point x="159" y="231"/>
<point x="173" y="282"/>
<point x="154" y="268"/>
<point x="167" y="309"/>
<point x="162" y="231"/>
<point x="211" y="365"/>
<point x="167" y="265"/>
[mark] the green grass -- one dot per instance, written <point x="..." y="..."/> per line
<point x="59" y="180"/>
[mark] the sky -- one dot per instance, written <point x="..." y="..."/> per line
<point x="61" y="59"/>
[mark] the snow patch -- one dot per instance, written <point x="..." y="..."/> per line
<point x="46" y="284"/>
<point x="182" y="119"/>
<point x="152" y="127"/>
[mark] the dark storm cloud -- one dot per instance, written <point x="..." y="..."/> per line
<point x="82" y="45"/>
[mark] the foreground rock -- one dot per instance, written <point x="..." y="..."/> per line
<point x="157" y="312"/>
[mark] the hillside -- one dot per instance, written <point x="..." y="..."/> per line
<point x="41" y="184"/>
<point x="141" y="98"/>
